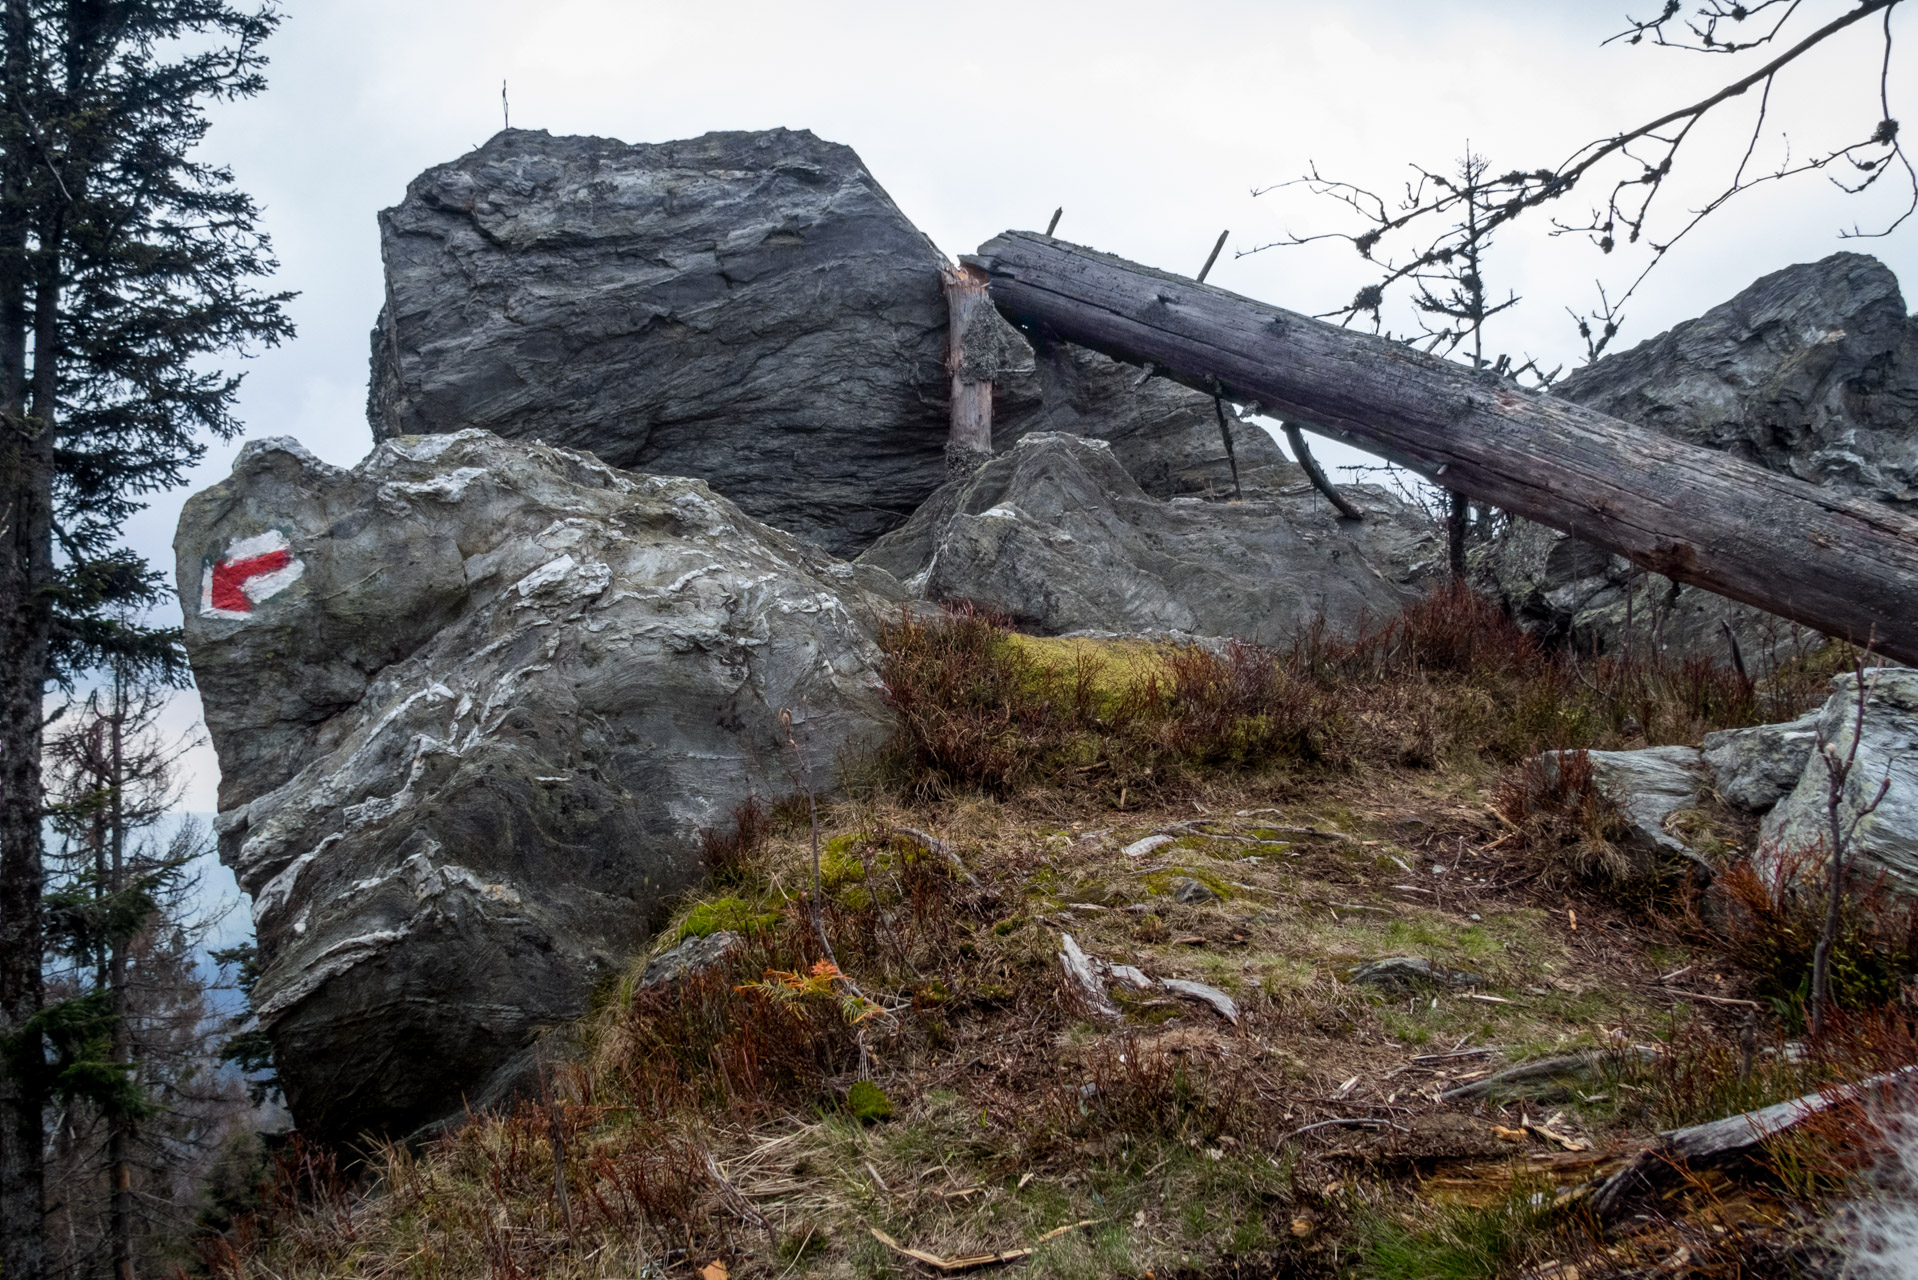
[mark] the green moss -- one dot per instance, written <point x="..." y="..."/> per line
<point x="725" y="914"/>
<point x="839" y="863"/>
<point x="1159" y="883"/>
<point x="867" y="1103"/>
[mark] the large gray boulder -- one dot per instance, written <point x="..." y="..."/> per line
<point x="473" y="700"/>
<point x="1059" y="536"/>
<point x="1795" y="837"/>
<point x="1812" y="371"/>
<point x="750" y="309"/>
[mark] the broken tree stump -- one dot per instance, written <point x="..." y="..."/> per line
<point x="1844" y="566"/>
<point x="970" y="443"/>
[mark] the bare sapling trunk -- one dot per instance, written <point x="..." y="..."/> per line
<point x="1840" y="835"/>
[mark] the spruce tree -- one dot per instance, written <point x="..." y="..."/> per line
<point x="126" y="260"/>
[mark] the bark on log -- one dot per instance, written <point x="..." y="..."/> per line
<point x="1844" y="566"/>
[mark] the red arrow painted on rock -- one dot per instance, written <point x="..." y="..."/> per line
<point x="253" y="569"/>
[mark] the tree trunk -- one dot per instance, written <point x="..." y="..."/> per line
<point x="120" y="1137"/>
<point x="1844" y="566"/>
<point x="1458" y="511"/>
<point x="26" y="558"/>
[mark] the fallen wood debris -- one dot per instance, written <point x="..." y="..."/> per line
<point x="1548" y="1075"/>
<point x="1219" y="1000"/>
<point x="1718" y="1141"/>
<point x="971" y="1261"/>
<point x="1086" y="976"/>
<point x="1842" y="565"/>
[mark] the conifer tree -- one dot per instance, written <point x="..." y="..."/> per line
<point x="126" y="260"/>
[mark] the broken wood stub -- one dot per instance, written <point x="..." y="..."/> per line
<point x="1845" y="566"/>
<point x="970" y="370"/>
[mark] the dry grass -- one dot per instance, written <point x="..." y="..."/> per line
<point x="1335" y="801"/>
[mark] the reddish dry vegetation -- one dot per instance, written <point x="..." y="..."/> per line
<point x="926" y="1069"/>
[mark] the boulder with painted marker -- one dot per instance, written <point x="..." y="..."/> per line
<point x="473" y="701"/>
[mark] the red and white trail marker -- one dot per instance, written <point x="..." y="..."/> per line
<point x="252" y="570"/>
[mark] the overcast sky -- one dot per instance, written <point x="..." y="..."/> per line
<point x="1149" y="123"/>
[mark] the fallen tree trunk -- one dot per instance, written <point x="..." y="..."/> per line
<point x="1734" y="1137"/>
<point x="1844" y="566"/>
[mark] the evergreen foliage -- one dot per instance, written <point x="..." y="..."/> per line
<point x="127" y="261"/>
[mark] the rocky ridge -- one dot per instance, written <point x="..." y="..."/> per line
<point x="750" y="309"/>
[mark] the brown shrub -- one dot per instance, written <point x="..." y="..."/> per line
<point x="1451" y="676"/>
<point x="1770" y="928"/>
<point x="729" y="855"/>
<point x="1553" y="804"/>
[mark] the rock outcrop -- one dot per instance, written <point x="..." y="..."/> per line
<point x="1056" y="534"/>
<point x="1777" y="770"/>
<point x="473" y="700"/>
<point x="1812" y="371"/>
<point x="1753" y="768"/>
<point x="1165" y="435"/>
<point x="749" y="309"/>
<point x="1796" y="833"/>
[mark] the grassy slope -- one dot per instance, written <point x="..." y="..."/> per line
<point x="1341" y="812"/>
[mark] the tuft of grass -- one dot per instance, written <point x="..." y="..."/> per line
<point x="1455" y="1242"/>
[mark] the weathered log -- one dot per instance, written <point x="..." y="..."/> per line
<point x="1844" y="566"/>
<point x="1735" y="1137"/>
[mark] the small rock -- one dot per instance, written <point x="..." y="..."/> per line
<point x="1193" y="893"/>
<point x="1139" y="848"/>
<point x="695" y="955"/>
<point x="1404" y="973"/>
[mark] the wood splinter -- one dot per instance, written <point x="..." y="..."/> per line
<point x="1296" y="438"/>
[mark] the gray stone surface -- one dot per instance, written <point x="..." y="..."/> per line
<point x="1811" y="371"/>
<point x="694" y="955"/>
<point x="469" y="730"/>
<point x="1753" y="768"/>
<point x="1411" y="973"/>
<point x="1165" y="435"/>
<point x="1058" y="535"/>
<point x="1795" y="834"/>
<point x="747" y="308"/>
<point x="750" y="309"/>
<point x="1647" y="787"/>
